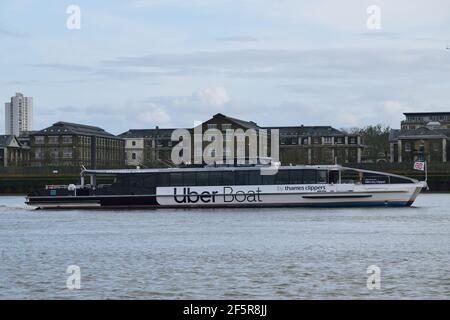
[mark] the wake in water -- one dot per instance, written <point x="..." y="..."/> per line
<point x="15" y="206"/>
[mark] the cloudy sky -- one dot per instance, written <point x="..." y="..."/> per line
<point x="137" y="64"/>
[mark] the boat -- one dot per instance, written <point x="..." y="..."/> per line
<point x="230" y="186"/>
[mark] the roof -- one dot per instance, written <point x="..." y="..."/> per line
<point x="145" y="133"/>
<point x="419" y="132"/>
<point x="242" y="123"/>
<point x="425" y="113"/>
<point x="7" y="140"/>
<point x="309" y="130"/>
<point x="63" y="128"/>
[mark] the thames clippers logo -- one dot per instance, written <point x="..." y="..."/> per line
<point x="227" y="194"/>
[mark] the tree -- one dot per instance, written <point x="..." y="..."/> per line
<point x="375" y="140"/>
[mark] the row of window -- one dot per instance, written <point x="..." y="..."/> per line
<point x="219" y="178"/>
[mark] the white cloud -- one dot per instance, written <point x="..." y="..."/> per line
<point x="151" y="114"/>
<point x="216" y="96"/>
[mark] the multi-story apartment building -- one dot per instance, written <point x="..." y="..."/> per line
<point x="18" y="115"/>
<point x="297" y="144"/>
<point x="71" y="144"/>
<point x="423" y="136"/>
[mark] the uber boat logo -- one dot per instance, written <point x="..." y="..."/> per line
<point x="228" y="194"/>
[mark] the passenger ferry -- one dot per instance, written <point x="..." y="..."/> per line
<point x="222" y="186"/>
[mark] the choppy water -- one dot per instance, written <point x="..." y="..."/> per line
<point x="231" y="254"/>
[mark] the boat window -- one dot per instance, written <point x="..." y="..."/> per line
<point x="282" y="177"/>
<point x="202" y="178"/>
<point x="176" y="179"/>
<point x="228" y="178"/>
<point x="375" y="179"/>
<point x="241" y="177"/>
<point x="333" y="176"/>
<point x="163" y="180"/>
<point x="399" y="180"/>
<point x="136" y="181"/>
<point x="189" y="179"/>
<point x="268" y="179"/>
<point x="150" y="180"/>
<point x="309" y="176"/>
<point x="322" y="176"/>
<point x="254" y="177"/>
<point x="215" y="178"/>
<point x="296" y="176"/>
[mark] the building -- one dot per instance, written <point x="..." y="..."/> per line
<point x="423" y="136"/>
<point x="297" y="144"/>
<point x="18" y="115"/>
<point x="71" y="144"/>
<point x="318" y="145"/>
<point x="148" y="147"/>
<point x="12" y="152"/>
<point x="416" y="120"/>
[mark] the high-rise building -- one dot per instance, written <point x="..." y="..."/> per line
<point x="18" y="115"/>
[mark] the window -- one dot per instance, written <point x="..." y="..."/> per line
<point x="296" y="176"/>
<point x="435" y="146"/>
<point x="226" y="126"/>
<point x="309" y="176"/>
<point x="176" y="178"/>
<point x="327" y="140"/>
<point x="38" y="154"/>
<point x="133" y="143"/>
<point x="150" y="180"/>
<point x="67" y="153"/>
<point x="163" y="180"/>
<point x="211" y="126"/>
<point x="268" y="179"/>
<point x="352" y="140"/>
<point x="254" y="177"/>
<point x="228" y="178"/>
<point x="241" y="178"/>
<point x="54" y="153"/>
<point x="282" y="177"/>
<point x="189" y="179"/>
<point x="305" y="141"/>
<point x="53" y="139"/>
<point x="67" y="139"/>
<point x="39" y="139"/>
<point x="316" y="140"/>
<point x="339" y="140"/>
<point x="215" y="178"/>
<point x="202" y="178"/>
<point x="133" y="156"/>
<point x="322" y="176"/>
<point x="407" y="147"/>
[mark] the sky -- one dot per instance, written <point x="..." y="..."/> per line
<point x="168" y="63"/>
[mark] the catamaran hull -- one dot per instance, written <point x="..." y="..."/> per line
<point x="394" y="195"/>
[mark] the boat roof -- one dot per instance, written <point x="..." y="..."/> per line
<point x="85" y="172"/>
<point x="206" y="168"/>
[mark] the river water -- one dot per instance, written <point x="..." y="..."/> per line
<point x="227" y="254"/>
